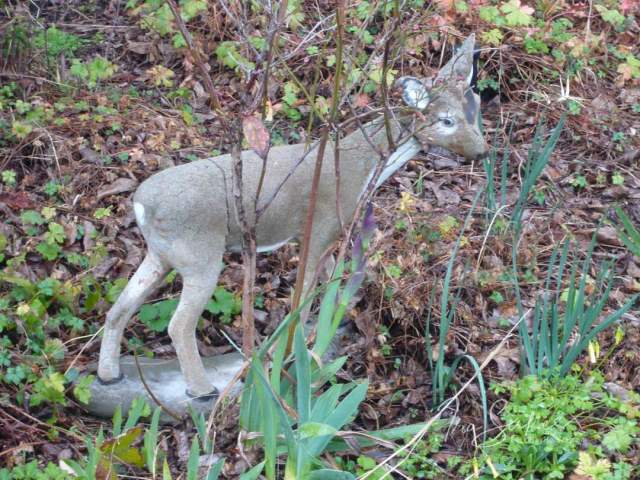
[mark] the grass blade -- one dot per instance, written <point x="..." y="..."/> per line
<point x="303" y="376"/>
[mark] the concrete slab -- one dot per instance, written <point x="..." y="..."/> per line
<point x="165" y="380"/>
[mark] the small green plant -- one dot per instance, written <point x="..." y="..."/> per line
<point x="33" y="471"/>
<point x="444" y="373"/>
<point x="574" y="107"/>
<point x="21" y="130"/>
<point x="93" y="72"/>
<point x="617" y="178"/>
<point x="618" y="137"/>
<point x="155" y="15"/>
<point x="228" y="54"/>
<point x="57" y="42"/>
<point x="579" y="181"/>
<point x="52" y="188"/>
<point x="419" y="462"/>
<point x="496" y="297"/>
<point x="547" y="424"/>
<point x="223" y="304"/>
<point x="54" y="238"/>
<point x="612" y="16"/>
<point x="510" y="14"/>
<point x="102" y="212"/>
<point x="9" y="178"/>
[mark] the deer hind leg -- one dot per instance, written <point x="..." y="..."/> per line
<point x="196" y="292"/>
<point x="145" y="280"/>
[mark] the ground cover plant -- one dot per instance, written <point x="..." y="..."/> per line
<point x="496" y="333"/>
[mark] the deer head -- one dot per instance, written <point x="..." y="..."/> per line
<point x="446" y="110"/>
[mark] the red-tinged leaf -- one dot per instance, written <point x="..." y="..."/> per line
<point x="446" y="5"/>
<point x="362" y="100"/>
<point x="256" y="134"/>
<point x="627" y="6"/>
<point x="17" y="200"/>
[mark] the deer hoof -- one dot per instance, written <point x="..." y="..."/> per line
<point x="203" y="398"/>
<point x="113" y="381"/>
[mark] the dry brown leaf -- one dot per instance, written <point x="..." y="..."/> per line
<point x="121" y="185"/>
<point x="256" y="135"/>
<point x="17" y="200"/>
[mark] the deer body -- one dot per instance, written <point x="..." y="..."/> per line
<point x="171" y="208"/>
<point x="186" y="213"/>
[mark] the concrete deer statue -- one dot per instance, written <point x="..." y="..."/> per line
<point x="186" y="212"/>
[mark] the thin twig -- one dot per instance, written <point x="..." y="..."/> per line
<point x="306" y="239"/>
<point x="248" y="248"/>
<point x="150" y="392"/>
<point x="197" y="56"/>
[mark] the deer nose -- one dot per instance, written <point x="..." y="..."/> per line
<point x="483" y="155"/>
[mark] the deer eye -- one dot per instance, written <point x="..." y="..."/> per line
<point x="447" y="121"/>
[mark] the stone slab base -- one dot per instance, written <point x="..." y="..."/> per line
<point x="165" y="380"/>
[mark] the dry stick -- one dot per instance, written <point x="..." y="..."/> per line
<point x="309" y="147"/>
<point x="248" y="251"/>
<point x="364" y="198"/>
<point x="197" y="56"/>
<point x="263" y="95"/>
<point x="248" y="231"/>
<point x="150" y="392"/>
<point x="385" y="69"/>
<point x="304" y="254"/>
<point x="306" y="239"/>
<point x="249" y="245"/>
<point x="335" y="103"/>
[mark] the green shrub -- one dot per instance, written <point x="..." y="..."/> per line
<point x="553" y="426"/>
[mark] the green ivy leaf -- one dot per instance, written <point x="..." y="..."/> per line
<point x="49" y="388"/>
<point x="614" y="17"/>
<point x="516" y="14"/>
<point x="55" y="234"/>
<point x="31" y="217"/>
<point x="191" y="8"/>
<point x="620" y="438"/>
<point x="49" y="251"/>
<point x="290" y="93"/>
<point x="493" y="36"/>
<point x="491" y="14"/>
<point x="20" y="129"/>
<point x="102" y="212"/>
<point x="81" y="390"/>
<point x="156" y="316"/>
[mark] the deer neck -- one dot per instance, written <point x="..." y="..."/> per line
<point x="400" y="156"/>
<point x="366" y="143"/>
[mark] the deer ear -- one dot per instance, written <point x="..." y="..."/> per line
<point x="461" y="65"/>
<point x="414" y="92"/>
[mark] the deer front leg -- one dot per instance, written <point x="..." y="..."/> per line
<point x="147" y="278"/>
<point x="196" y="292"/>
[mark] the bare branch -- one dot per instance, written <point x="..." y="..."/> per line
<point x="197" y="56"/>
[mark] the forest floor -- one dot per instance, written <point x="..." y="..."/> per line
<point x="77" y="135"/>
